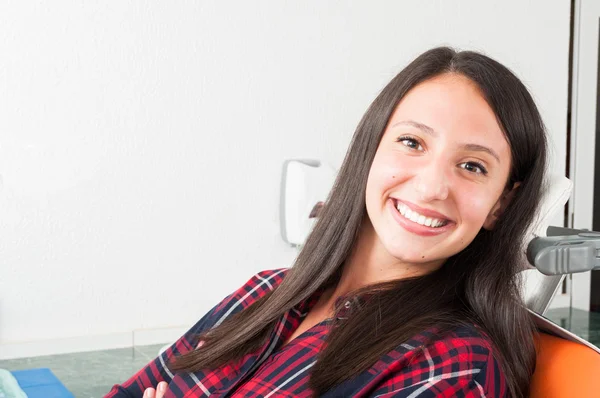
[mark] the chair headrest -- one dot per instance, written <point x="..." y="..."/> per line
<point x="556" y="194"/>
<point x="539" y="289"/>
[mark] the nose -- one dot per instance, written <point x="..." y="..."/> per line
<point x="431" y="182"/>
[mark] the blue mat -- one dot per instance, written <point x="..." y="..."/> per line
<point x="41" y="383"/>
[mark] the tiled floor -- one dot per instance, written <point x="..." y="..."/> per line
<point x="92" y="374"/>
<point x="582" y="323"/>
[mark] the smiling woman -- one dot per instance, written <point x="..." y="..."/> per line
<point x="407" y="284"/>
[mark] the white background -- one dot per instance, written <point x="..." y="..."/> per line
<point x="141" y="143"/>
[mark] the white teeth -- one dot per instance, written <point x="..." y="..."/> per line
<point x="419" y="218"/>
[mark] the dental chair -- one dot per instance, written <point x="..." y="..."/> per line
<point x="567" y="365"/>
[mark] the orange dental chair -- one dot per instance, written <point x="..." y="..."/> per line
<point x="565" y="369"/>
<point x="567" y="366"/>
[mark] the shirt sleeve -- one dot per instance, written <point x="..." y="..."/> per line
<point x="158" y="370"/>
<point x="448" y="368"/>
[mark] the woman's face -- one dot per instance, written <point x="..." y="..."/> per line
<point x="439" y="173"/>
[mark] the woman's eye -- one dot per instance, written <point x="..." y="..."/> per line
<point x="474" y="167"/>
<point x="410" y="143"/>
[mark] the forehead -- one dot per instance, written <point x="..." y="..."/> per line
<point x="454" y="107"/>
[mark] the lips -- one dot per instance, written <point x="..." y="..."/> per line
<point x="420" y="210"/>
<point x="419" y="218"/>
<point x="415" y="227"/>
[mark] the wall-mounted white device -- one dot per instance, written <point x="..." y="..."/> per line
<point x="304" y="184"/>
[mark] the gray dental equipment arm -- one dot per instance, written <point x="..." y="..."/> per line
<point x="565" y="251"/>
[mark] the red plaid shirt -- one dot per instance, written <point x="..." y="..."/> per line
<point x="459" y="365"/>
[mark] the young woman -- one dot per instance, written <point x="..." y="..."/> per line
<point x="407" y="284"/>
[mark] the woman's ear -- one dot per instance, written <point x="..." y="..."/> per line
<point x="498" y="208"/>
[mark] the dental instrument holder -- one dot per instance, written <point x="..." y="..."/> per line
<point x="565" y="251"/>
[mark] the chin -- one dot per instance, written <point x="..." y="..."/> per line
<point x="413" y="254"/>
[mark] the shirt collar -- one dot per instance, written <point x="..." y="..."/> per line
<point x="346" y="303"/>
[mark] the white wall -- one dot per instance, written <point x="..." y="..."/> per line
<point x="141" y="143"/>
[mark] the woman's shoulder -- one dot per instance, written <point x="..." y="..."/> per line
<point x="255" y="288"/>
<point x="468" y="343"/>
<point x="465" y="351"/>
<point x="459" y="362"/>
<point x="263" y="282"/>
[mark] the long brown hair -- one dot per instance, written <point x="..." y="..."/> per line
<point x="478" y="286"/>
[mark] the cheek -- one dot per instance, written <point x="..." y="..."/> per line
<point x="475" y="206"/>
<point x="386" y="172"/>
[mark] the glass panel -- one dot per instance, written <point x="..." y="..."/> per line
<point x="595" y="282"/>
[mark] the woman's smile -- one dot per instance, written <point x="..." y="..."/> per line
<point x="421" y="215"/>
<point x="417" y="223"/>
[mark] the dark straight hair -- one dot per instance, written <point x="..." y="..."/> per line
<point x="479" y="285"/>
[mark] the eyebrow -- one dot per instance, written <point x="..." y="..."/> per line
<point x="425" y="128"/>
<point x="430" y="131"/>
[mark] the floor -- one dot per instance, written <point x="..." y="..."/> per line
<point x="92" y="374"/>
<point x="582" y="323"/>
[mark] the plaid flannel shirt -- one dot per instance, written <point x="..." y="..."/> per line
<point x="461" y="364"/>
